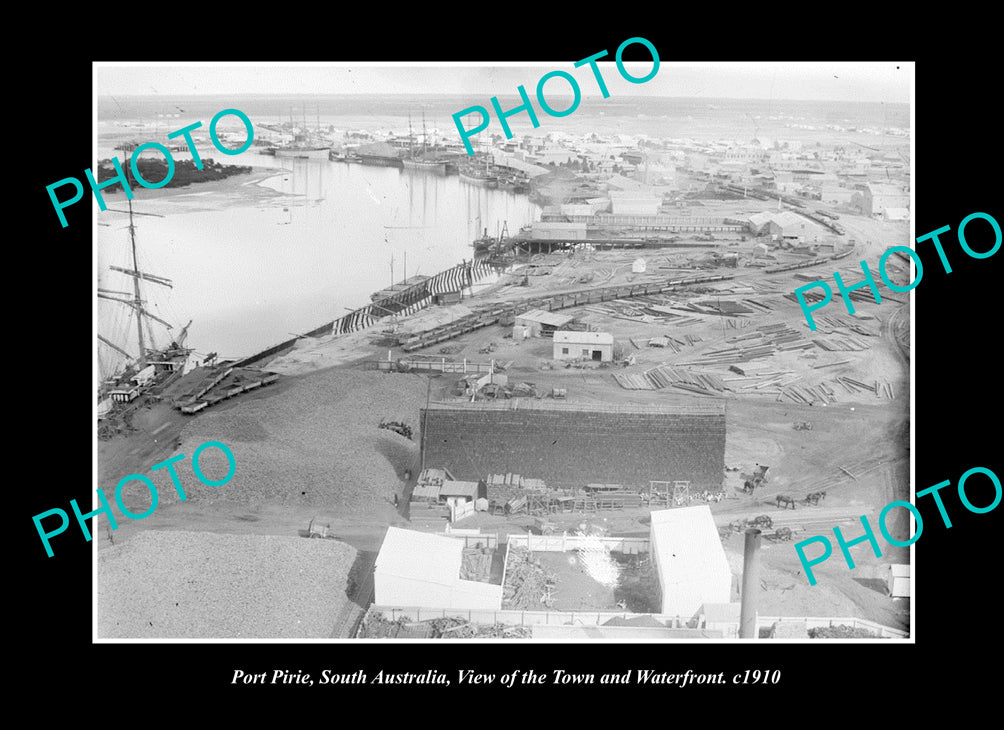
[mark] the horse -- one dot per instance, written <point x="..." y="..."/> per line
<point x="786" y="501"/>
<point x="783" y="533"/>
<point x="815" y="498"/>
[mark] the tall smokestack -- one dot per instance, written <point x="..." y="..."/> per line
<point x="751" y="580"/>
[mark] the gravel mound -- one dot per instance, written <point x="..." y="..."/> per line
<point x="162" y="585"/>
<point x="316" y="443"/>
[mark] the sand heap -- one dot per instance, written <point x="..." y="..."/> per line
<point x="315" y="443"/>
<point x="165" y="584"/>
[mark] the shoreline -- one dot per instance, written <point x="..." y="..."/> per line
<point x="218" y="192"/>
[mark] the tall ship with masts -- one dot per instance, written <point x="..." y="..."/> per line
<point x="152" y="364"/>
<point x="305" y="144"/>
<point x="422" y="160"/>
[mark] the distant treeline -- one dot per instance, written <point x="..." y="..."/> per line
<point x="185" y="172"/>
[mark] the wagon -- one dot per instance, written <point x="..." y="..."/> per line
<point x="320" y="527"/>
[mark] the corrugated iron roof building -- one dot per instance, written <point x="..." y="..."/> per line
<point x="570" y="345"/>
<point x="569" y="445"/>
<point x="418" y="569"/>
<point x="539" y="323"/>
<point x="689" y="560"/>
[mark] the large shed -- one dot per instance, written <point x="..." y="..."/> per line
<point x="419" y="569"/>
<point x="570" y="445"/>
<point x="689" y="560"/>
<point x="570" y="345"/>
<point x="538" y="323"/>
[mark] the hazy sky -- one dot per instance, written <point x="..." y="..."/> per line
<point x="888" y="82"/>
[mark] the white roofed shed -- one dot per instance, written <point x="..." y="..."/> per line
<point x="689" y="560"/>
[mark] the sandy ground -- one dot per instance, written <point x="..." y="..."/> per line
<point x="309" y="445"/>
<point x="237" y="191"/>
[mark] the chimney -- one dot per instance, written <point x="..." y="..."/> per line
<point x="751" y="581"/>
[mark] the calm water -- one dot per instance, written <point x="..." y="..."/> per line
<point x="253" y="272"/>
<point x="250" y="271"/>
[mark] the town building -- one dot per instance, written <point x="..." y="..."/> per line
<point x="539" y="323"/>
<point x="689" y="560"/>
<point x="422" y="570"/>
<point x="569" y="345"/>
<point x="878" y="197"/>
<point x="570" y="445"/>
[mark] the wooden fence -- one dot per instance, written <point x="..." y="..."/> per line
<point x="599" y="618"/>
<point x="439" y="366"/>
<point x="564" y="543"/>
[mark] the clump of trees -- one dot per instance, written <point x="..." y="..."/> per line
<point x="185" y="172"/>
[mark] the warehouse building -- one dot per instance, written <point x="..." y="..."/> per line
<point x="879" y="197"/>
<point x="569" y="445"/>
<point x="538" y="323"/>
<point x="689" y="560"/>
<point x="569" y="345"/>
<point x="422" y="570"/>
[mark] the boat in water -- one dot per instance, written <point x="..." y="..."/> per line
<point x="303" y="152"/>
<point x="422" y="160"/>
<point x="476" y="175"/>
<point x="303" y="146"/>
<point x="485" y="244"/>
<point x="437" y="167"/>
<point x="150" y="366"/>
<point x="380" y="154"/>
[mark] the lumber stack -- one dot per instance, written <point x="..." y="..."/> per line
<point x="840" y="344"/>
<point x="527" y="586"/>
<point x="765" y="341"/>
<point x="476" y="564"/>
<point x="665" y="376"/>
<point x="879" y="388"/>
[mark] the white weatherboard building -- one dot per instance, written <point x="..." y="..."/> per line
<point x="569" y="345"/>
<point x="689" y="560"/>
<point x="418" y="569"/>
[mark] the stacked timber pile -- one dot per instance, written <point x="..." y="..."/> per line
<point x="841" y="344"/>
<point x="810" y="395"/>
<point x="476" y="564"/>
<point x="665" y="376"/>
<point x="782" y="384"/>
<point x="174" y="584"/>
<point x="705" y="383"/>
<point x="666" y="341"/>
<point x="879" y="388"/>
<point x="858" y="295"/>
<point x="527" y="586"/>
<point x="825" y="321"/>
<point x="503" y="488"/>
<point x="764" y="342"/>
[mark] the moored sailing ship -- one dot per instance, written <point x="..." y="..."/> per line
<point x="422" y="160"/>
<point x="152" y="365"/>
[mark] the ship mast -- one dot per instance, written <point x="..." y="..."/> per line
<point x="138" y="300"/>
<point x="411" y="150"/>
<point x="424" y="151"/>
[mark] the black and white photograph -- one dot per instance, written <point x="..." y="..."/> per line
<point x="586" y="373"/>
<point x="479" y="374"/>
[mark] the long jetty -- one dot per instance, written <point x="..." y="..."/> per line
<point x="407" y="300"/>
